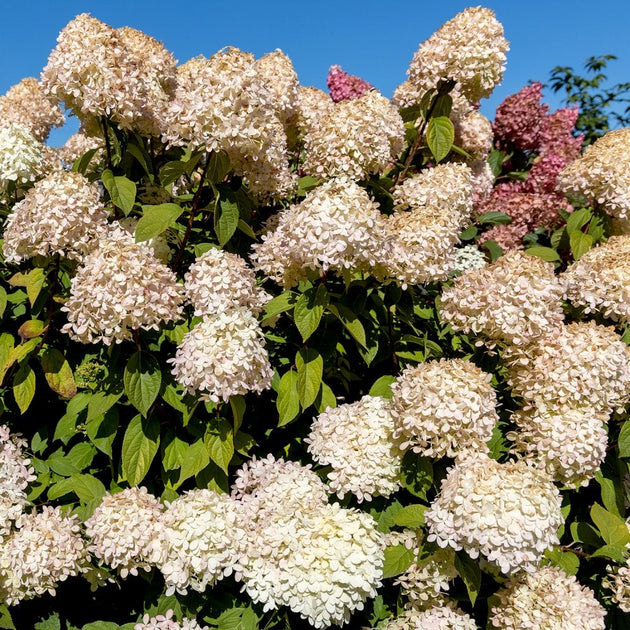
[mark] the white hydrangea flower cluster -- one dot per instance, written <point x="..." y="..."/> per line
<point x="62" y="214"/>
<point x="15" y="475"/>
<point x="469" y="49"/>
<point x="444" y="407"/>
<point x="320" y="560"/>
<point x="166" y="622"/>
<point x="509" y="513"/>
<point x="602" y="174"/>
<point x="514" y="300"/>
<point x="440" y="617"/>
<point x="600" y="280"/>
<point x="579" y="366"/>
<point x="356" y="439"/>
<point x="469" y="257"/>
<point x="618" y="581"/>
<point x="126" y="531"/>
<point x="569" y="445"/>
<point x="473" y="133"/>
<point x="201" y="539"/>
<point x="124" y="230"/>
<point x="547" y="598"/>
<point x="219" y="280"/>
<point x="45" y="548"/>
<point x="279" y="77"/>
<point x="26" y="105"/>
<point x="355" y="138"/>
<point x="337" y="227"/>
<point x="313" y="104"/>
<point x="21" y="156"/>
<point x="120" y="287"/>
<point x="222" y="356"/>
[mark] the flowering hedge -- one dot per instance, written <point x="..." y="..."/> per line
<point x="273" y="358"/>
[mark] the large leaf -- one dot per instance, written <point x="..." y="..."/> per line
<point x="624" y="440"/>
<point x="24" y="387"/>
<point x="288" y="401"/>
<point x="613" y="528"/>
<point x="225" y="220"/>
<point x="281" y="303"/>
<point x="156" y="219"/>
<point x="310" y="367"/>
<point x="309" y="310"/>
<point x="196" y="458"/>
<point x="121" y="190"/>
<point x="140" y="444"/>
<point x="411" y="516"/>
<point x="350" y="322"/>
<point x="580" y="243"/>
<point x="58" y="373"/>
<point x="142" y="381"/>
<point x="397" y="560"/>
<point x="219" y="441"/>
<point x="218" y="167"/>
<point x="470" y="573"/>
<point x="440" y="137"/>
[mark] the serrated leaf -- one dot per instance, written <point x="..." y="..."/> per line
<point x="196" y="458"/>
<point x="87" y="488"/>
<point x="226" y="219"/>
<point x="580" y="243"/>
<point x="288" y="401"/>
<point x="578" y="219"/>
<point x="546" y="253"/>
<point x="494" y="218"/>
<point x="397" y="560"/>
<point x="140" y="444"/>
<point x="309" y="309"/>
<point x="624" y="440"/>
<point x="382" y="387"/>
<point x="440" y="136"/>
<point x="34" y="283"/>
<point x="325" y="399"/>
<point x="310" y="367"/>
<point x="279" y="304"/>
<point x="470" y="573"/>
<point x="566" y="560"/>
<point x="613" y="528"/>
<point x="102" y="431"/>
<point x="58" y="373"/>
<point x="142" y="381"/>
<point x="611" y="501"/>
<point x="411" y="516"/>
<point x="100" y="403"/>
<point x="156" y="219"/>
<point x="5" y="618"/>
<point x="615" y="552"/>
<point x="218" y="167"/>
<point x="417" y="474"/>
<point x="24" y="387"/>
<point x="174" y="454"/>
<point x="219" y="441"/>
<point x="122" y="191"/>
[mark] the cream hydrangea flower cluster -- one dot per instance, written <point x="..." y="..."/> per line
<point x="513" y="300"/>
<point x="44" y="549"/>
<point x="219" y="280"/>
<point x="15" y="475"/>
<point x="618" y="581"/>
<point x="473" y="133"/>
<point x="337" y="227"/>
<point x="166" y="622"/>
<point x="126" y="531"/>
<point x="602" y="174"/>
<point x="578" y="366"/>
<point x="313" y="104"/>
<point x="443" y="408"/>
<point x="356" y="439"/>
<point x="547" y="598"/>
<point x="120" y="287"/>
<point x="21" y="156"/>
<point x="320" y="560"/>
<point x="222" y="356"/>
<point x="509" y="513"/>
<point x="355" y="138"/>
<point x="62" y="214"/>
<point x="440" y="617"/>
<point x="600" y="280"/>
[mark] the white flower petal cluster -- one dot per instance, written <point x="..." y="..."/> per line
<point x="280" y="78"/>
<point x="45" y="548"/>
<point x="126" y="531"/>
<point x="21" y="156"/>
<point x="578" y="366"/>
<point x="602" y="174"/>
<point x="355" y="138"/>
<point x="509" y="513"/>
<point x="547" y="598"/>
<point x="337" y="227"/>
<point x="166" y="622"/>
<point x="121" y="287"/>
<point x="469" y="257"/>
<point x="219" y="280"/>
<point x="440" y="617"/>
<point x="222" y="356"/>
<point x="473" y="133"/>
<point x="313" y="104"/>
<point x="356" y="439"/>
<point x="26" y="105"/>
<point x="515" y="299"/>
<point x="320" y="560"/>
<point x="62" y="214"/>
<point x="470" y="49"/>
<point x="600" y="280"/>
<point x="444" y="407"/>
<point x="569" y="445"/>
<point x="124" y="231"/>
<point x="201" y="540"/>
<point x="618" y="581"/>
<point x="15" y="475"/>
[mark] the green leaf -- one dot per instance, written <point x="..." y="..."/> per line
<point x="470" y="573"/>
<point x="140" y="444"/>
<point x="226" y="219"/>
<point x="101" y="625"/>
<point x="494" y="218"/>
<point x="238" y="405"/>
<point x="3" y="306"/>
<point x="469" y="233"/>
<point x="50" y="623"/>
<point x="288" y="401"/>
<point x="442" y="106"/>
<point x="382" y="387"/>
<point x="397" y="560"/>
<point x="350" y="321"/>
<point x="580" y="243"/>
<point x="31" y="329"/>
<point x="411" y="516"/>
<point x="171" y="171"/>
<point x="417" y="474"/>
<point x="546" y="253"/>
<point x="281" y="303"/>
<point x="121" y="190"/>
<point x="24" y="387"/>
<point x="102" y="431"/>
<point x="310" y="367"/>
<point x="58" y="373"/>
<point x="81" y="455"/>
<point x="87" y="488"/>
<point x="156" y="219"/>
<point x="5" y="618"/>
<point x="218" y="167"/>
<point x="615" y="552"/>
<point x="578" y="219"/>
<point x="612" y="502"/>
<point x="196" y="458"/>
<point x="566" y="560"/>
<point x="143" y="158"/>
<point x="624" y="440"/>
<point x="612" y="528"/>
<point x="80" y="164"/>
<point x="219" y="441"/>
<point x="493" y="248"/>
<point x="306" y="184"/>
<point x="100" y="403"/>
<point x="142" y="381"/>
<point x="440" y="137"/>
<point x="496" y="159"/>
<point x="34" y="283"/>
<point x="309" y="309"/>
<point x="174" y="454"/>
<point x="325" y="399"/>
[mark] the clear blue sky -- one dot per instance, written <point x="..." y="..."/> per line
<point x="375" y="40"/>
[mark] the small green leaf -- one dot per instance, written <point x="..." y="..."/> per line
<point x="196" y="458"/>
<point x="24" y="387"/>
<point x="219" y="441"/>
<point x="3" y="306"/>
<point x="411" y="516"/>
<point x="226" y="219"/>
<point x="87" y="487"/>
<point x="612" y="502"/>
<point x="494" y="218"/>
<point x="310" y="367"/>
<point x="34" y="284"/>
<point x="121" y="190"/>
<point x="470" y="573"/>
<point x="156" y="219"/>
<point x="417" y="474"/>
<point x="101" y="625"/>
<point x="440" y="136"/>
<point x="238" y="405"/>
<point x="288" y="401"/>
<point x="546" y="253"/>
<point x="615" y="552"/>
<point x="350" y="321"/>
<point x="493" y="248"/>
<point x="142" y="381"/>
<point x="566" y="560"/>
<point x="325" y="399"/>
<point x="613" y="528"/>
<point x="397" y="560"/>
<point x="496" y="159"/>
<point x="102" y="431"/>
<point x="5" y="618"/>
<point x="218" y="167"/>
<point x="171" y="171"/>
<point x="80" y="164"/>
<point x="174" y="453"/>
<point x="578" y="219"/>
<point x="281" y="303"/>
<point x="624" y="440"/>
<point x="58" y="373"/>
<point x="309" y="309"/>
<point x="140" y="444"/>
<point x="31" y="329"/>
<point x="580" y="243"/>
<point x="382" y="387"/>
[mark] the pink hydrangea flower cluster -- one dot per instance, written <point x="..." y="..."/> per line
<point x="345" y="87"/>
